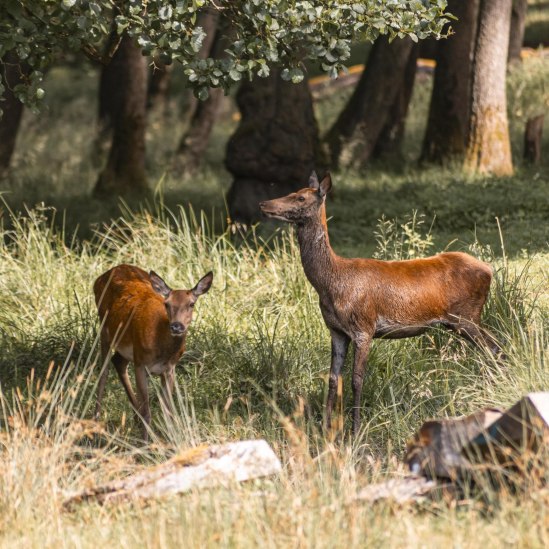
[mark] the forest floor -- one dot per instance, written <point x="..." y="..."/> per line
<point x="258" y="350"/>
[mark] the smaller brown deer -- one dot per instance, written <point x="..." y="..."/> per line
<point x="362" y="299"/>
<point x="145" y="322"/>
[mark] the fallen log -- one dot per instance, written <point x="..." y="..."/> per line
<point x="455" y="448"/>
<point x="201" y="467"/>
<point x="409" y="489"/>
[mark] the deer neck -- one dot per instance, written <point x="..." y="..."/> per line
<point x="317" y="256"/>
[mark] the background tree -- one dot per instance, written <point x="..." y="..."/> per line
<point x="13" y="74"/>
<point x="158" y="88"/>
<point x="357" y="129"/>
<point x="516" y="34"/>
<point x="446" y="132"/>
<point x="275" y="146"/>
<point x="488" y="145"/>
<point x="194" y="141"/>
<point x="126" y="75"/>
<point x="389" y="142"/>
<point x="266" y="33"/>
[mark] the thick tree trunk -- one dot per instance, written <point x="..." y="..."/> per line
<point x="124" y="83"/>
<point x="195" y="140"/>
<point x="359" y="125"/>
<point x="110" y="99"/>
<point x="516" y="35"/>
<point x="275" y="146"/>
<point x="13" y="72"/>
<point x="389" y="142"/>
<point x="446" y="132"/>
<point x="488" y="144"/>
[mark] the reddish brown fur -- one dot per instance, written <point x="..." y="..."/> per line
<point x="145" y="322"/>
<point x="365" y="298"/>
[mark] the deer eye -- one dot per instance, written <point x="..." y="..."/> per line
<point x="301" y="199"/>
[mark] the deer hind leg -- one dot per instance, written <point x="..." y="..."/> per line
<point x="362" y="348"/>
<point x="340" y="346"/>
<point x="121" y="365"/>
<point x="478" y="336"/>
<point x="143" y="408"/>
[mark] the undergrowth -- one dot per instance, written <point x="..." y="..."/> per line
<point x="256" y="366"/>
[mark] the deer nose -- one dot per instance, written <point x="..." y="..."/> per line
<point x="176" y="328"/>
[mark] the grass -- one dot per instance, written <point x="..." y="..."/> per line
<point x="258" y="350"/>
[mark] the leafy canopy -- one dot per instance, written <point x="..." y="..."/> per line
<point x="263" y="33"/>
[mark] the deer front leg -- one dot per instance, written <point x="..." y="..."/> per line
<point x="143" y="409"/>
<point x="168" y="380"/>
<point x="340" y="345"/>
<point x="362" y="348"/>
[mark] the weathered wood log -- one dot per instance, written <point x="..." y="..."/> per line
<point x="436" y="449"/>
<point x="486" y="440"/>
<point x="410" y="489"/>
<point x="524" y="427"/>
<point x="201" y="467"/>
<point x="532" y="139"/>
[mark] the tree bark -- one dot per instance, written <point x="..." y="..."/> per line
<point x="110" y="100"/>
<point x="160" y="77"/>
<point x="532" y="139"/>
<point x="124" y="85"/>
<point x="446" y="132"/>
<point x="208" y="19"/>
<point x="275" y="147"/>
<point x="195" y="140"/>
<point x="13" y="73"/>
<point x="363" y="118"/>
<point x="488" y="145"/>
<point x="516" y="35"/>
<point x="389" y="142"/>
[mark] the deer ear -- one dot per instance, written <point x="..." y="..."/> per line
<point x="159" y="286"/>
<point x="325" y="185"/>
<point x="313" y="180"/>
<point x="203" y="285"/>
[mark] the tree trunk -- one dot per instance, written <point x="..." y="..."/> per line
<point x="532" y="139"/>
<point x="124" y="83"/>
<point x="389" y="142"/>
<point x="13" y="72"/>
<point x="516" y="35"/>
<point x="488" y="144"/>
<point x="363" y="118"/>
<point x="446" y="131"/>
<point x="160" y="77"/>
<point x="110" y="100"/>
<point x="195" y="140"/>
<point x="275" y="147"/>
<point x="208" y="19"/>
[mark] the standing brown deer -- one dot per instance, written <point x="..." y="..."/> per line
<point x="146" y="322"/>
<point x="361" y="299"/>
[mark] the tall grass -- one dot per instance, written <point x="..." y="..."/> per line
<point x="256" y="367"/>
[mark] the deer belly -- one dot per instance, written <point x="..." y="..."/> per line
<point x="394" y="330"/>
